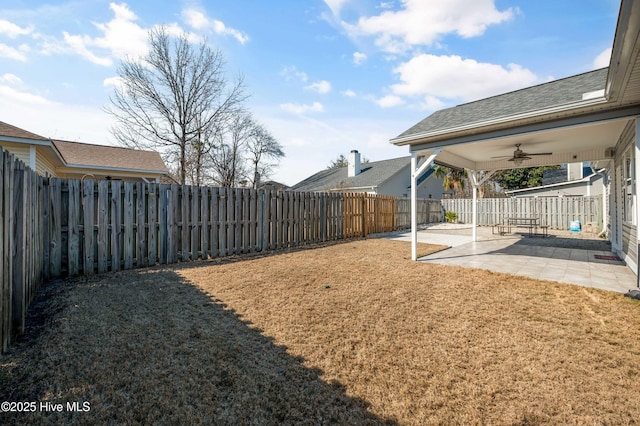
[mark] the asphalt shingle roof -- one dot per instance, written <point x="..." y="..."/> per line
<point x="551" y="94"/>
<point x="76" y="153"/>
<point x="8" y="130"/>
<point x="372" y="174"/>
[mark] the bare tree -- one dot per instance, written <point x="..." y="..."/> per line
<point x="173" y="100"/>
<point x="264" y="153"/>
<point x="227" y="163"/>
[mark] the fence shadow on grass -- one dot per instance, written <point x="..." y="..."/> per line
<point x="147" y="347"/>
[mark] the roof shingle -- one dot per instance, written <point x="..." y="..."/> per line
<point x="15" y="132"/>
<point x="372" y="174"/>
<point x="547" y="95"/>
<point x="83" y="154"/>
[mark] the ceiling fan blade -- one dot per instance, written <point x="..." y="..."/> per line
<point x="502" y="156"/>
<point x="541" y="153"/>
<point x="521" y="157"/>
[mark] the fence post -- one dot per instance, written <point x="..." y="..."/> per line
<point x="19" y="241"/>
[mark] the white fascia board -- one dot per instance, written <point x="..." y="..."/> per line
<point x="25" y="141"/>
<point x="74" y="167"/>
<point x="352" y="188"/>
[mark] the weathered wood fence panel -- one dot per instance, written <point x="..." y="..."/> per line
<point x="22" y="215"/>
<point x="556" y="212"/>
<point x="429" y="211"/>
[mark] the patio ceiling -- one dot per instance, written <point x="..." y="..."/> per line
<point x="568" y="144"/>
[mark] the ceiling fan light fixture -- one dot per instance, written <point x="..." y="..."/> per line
<point x="518" y="161"/>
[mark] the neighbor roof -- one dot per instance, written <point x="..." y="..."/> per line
<point x="76" y="154"/>
<point x="10" y="131"/>
<point x="552" y="94"/>
<point x="372" y="174"/>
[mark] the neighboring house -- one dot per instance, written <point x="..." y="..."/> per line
<point x="272" y="185"/>
<point x="386" y="177"/>
<point x="591" y="117"/>
<point x="65" y="159"/>
<point x="573" y="180"/>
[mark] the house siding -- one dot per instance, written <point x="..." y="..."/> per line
<point x="628" y="231"/>
<point x="399" y="186"/>
<point x="21" y="151"/>
<point x="44" y="167"/>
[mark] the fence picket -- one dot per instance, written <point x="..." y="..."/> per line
<point x="73" y="235"/>
<point x="152" y="227"/>
<point x="89" y="215"/>
<point x="128" y="216"/>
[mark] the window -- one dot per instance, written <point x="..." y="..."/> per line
<point x="628" y="185"/>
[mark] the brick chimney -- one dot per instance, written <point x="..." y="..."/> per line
<point x="353" y="168"/>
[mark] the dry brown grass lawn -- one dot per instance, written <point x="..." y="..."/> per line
<point x="353" y="333"/>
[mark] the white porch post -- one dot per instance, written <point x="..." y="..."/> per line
<point x="415" y="174"/>
<point x="474" y="206"/>
<point x="414" y="208"/>
<point x="636" y="208"/>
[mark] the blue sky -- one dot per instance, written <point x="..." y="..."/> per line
<point x="325" y="77"/>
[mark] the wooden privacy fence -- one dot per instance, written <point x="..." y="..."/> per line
<point x="96" y="227"/>
<point x="429" y="211"/>
<point x="21" y="234"/>
<point x="556" y="212"/>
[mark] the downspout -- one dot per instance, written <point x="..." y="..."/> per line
<point x="605" y="194"/>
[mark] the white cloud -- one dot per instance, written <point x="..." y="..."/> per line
<point x="423" y="22"/>
<point x="10" y="79"/>
<point x="454" y="78"/>
<point x="48" y="118"/>
<point x="12" y="30"/>
<point x="121" y="37"/>
<point x="603" y="59"/>
<point x="389" y="101"/>
<point x="10" y="96"/>
<point x="335" y="5"/>
<point x="78" y="45"/>
<point x="301" y="109"/>
<point x="195" y="18"/>
<point x="322" y="87"/>
<point x="12" y="53"/>
<point x="349" y="93"/>
<point x="292" y="72"/>
<point x="359" y="57"/>
<point x="112" y="82"/>
<point x="200" y="21"/>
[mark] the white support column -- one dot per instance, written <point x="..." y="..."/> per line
<point x="474" y="206"/>
<point x="415" y="174"/>
<point x="414" y="208"/>
<point x="636" y="197"/>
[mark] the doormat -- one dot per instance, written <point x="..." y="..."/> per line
<point x="605" y="257"/>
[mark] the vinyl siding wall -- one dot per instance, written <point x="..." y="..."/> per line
<point x="21" y="151"/>
<point x="44" y="167"/>
<point x="629" y="230"/>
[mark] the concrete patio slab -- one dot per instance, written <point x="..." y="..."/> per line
<point x="563" y="256"/>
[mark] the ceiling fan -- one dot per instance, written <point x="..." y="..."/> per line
<point x="519" y="155"/>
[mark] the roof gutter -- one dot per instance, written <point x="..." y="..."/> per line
<point x="503" y="120"/>
<point x="622" y="56"/>
<point x="115" y="169"/>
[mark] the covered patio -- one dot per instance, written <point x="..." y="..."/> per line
<point x="591" y="117"/>
<point x="568" y="257"/>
